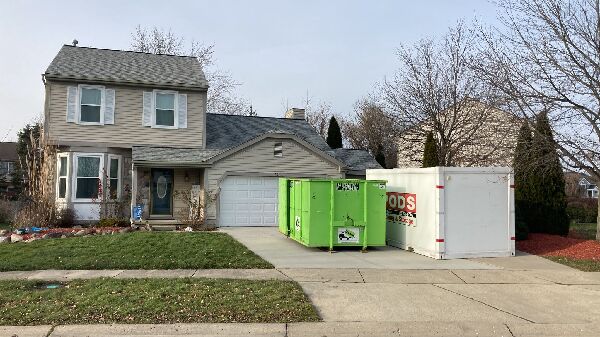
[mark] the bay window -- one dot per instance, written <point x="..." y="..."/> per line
<point x="62" y="176"/>
<point x="114" y="177"/>
<point x="88" y="168"/>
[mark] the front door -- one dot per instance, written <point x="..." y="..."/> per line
<point x="162" y="192"/>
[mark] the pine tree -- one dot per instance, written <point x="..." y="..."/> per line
<point x="521" y="167"/>
<point x="334" y="134"/>
<point x="380" y="156"/>
<point x="430" y="154"/>
<point x="546" y="183"/>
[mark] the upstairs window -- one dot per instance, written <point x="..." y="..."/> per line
<point x="90" y="105"/>
<point x="6" y="167"/>
<point x="164" y="109"/>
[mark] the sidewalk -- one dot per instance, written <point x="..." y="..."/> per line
<point x="403" y="329"/>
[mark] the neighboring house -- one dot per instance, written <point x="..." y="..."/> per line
<point x="580" y="185"/>
<point x="136" y="123"/>
<point x="488" y="139"/>
<point x="8" y="159"/>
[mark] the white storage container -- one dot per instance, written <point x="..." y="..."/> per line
<point x="450" y="212"/>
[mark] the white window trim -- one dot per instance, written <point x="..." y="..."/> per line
<point x="74" y="178"/>
<point x="119" y="159"/>
<point x="58" y="176"/>
<point x="102" y="103"/>
<point x="175" y="109"/>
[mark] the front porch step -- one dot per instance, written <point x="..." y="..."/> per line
<point x="161" y="224"/>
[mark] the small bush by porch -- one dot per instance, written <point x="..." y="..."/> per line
<point x="139" y="250"/>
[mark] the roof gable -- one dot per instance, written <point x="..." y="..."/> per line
<point x="126" y="67"/>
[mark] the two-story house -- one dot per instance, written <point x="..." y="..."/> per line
<point x="130" y="122"/>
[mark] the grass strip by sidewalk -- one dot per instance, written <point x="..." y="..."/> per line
<point x="140" y="250"/>
<point x="154" y="301"/>
<point x="581" y="264"/>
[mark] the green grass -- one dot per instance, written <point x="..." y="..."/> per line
<point x="141" y="250"/>
<point x="584" y="230"/>
<point x="581" y="264"/>
<point x="154" y="301"/>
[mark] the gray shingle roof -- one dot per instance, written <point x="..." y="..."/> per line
<point x="224" y="132"/>
<point x="117" y="66"/>
<point x="227" y="131"/>
<point x="172" y="156"/>
<point x="358" y="161"/>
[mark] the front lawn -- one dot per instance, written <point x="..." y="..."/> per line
<point x="153" y="301"/>
<point x="583" y="231"/>
<point x="581" y="264"/>
<point x="140" y="250"/>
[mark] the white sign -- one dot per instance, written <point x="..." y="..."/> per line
<point x="348" y="234"/>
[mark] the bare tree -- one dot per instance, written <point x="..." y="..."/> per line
<point x="372" y="129"/>
<point x="435" y="90"/>
<point x="546" y="59"/>
<point x="318" y="114"/>
<point x="222" y="95"/>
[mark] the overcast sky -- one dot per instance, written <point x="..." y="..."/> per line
<point x="278" y="50"/>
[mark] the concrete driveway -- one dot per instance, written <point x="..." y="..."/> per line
<point x="524" y="295"/>
<point x="283" y="252"/>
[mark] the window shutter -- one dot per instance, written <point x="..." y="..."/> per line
<point x="109" y="106"/>
<point x="182" y="111"/>
<point x="72" y="104"/>
<point x="147" y="115"/>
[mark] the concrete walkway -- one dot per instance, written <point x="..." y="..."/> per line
<point x="66" y="275"/>
<point x="346" y="329"/>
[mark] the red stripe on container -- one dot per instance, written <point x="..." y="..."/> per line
<point x="439" y="186"/>
<point x="512" y="238"/>
<point x="439" y="240"/>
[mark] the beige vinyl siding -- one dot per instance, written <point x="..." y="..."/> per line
<point x="127" y="128"/>
<point x="258" y="160"/>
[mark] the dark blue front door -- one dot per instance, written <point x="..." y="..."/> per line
<point x="162" y="187"/>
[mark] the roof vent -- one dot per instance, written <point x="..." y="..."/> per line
<point x="295" y="113"/>
<point x="75" y="42"/>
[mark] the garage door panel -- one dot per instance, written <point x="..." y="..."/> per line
<point x="248" y="201"/>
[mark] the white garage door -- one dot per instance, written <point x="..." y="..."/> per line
<point x="248" y="201"/>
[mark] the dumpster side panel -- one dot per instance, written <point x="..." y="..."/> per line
<point x="284" y="206"/>
<point x="376" y="218"/>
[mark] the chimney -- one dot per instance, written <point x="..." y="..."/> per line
<point x="295" y="113"/>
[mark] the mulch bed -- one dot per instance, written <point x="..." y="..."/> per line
<point x="555" y="245"/>
<point x="107" y="230"/>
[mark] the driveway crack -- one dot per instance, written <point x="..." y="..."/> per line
<point x="509" y="331"/>
<point x="361" y="275"/>
<point x="453" y="273"/>
<point x="486" y="304"/>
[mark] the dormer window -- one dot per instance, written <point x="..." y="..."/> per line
<point x="90" y="105"/>
<point x="164" y="109"/>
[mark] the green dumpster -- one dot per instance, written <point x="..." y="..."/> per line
<point x="333" y="212"/>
